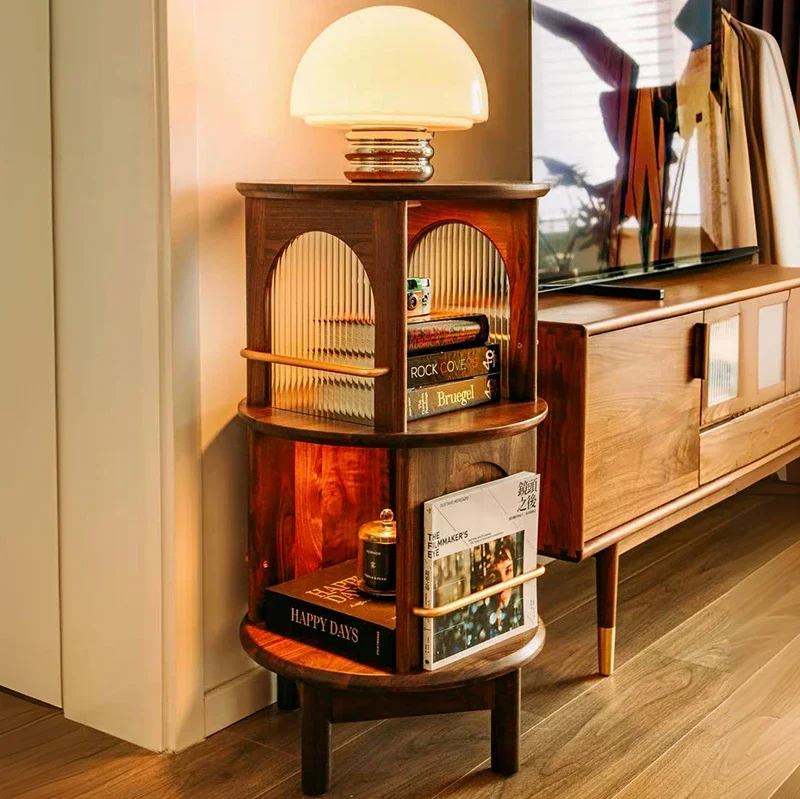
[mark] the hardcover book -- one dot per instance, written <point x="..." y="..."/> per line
<point x="356" y="337"/>
<point x="475" y="539"/>
<point x="453" y="396"/>
<point x="441" y="367"/>
<point x="324" y="608"/>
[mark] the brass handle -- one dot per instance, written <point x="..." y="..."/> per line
<point x="478" y="596"/>
<point x="321" y="366"/>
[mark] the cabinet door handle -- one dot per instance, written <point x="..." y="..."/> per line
<point x="699" y="355"/>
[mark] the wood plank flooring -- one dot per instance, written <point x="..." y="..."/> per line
<point x="705" y="702"/>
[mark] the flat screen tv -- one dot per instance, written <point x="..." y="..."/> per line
<point x="639" y="128"/>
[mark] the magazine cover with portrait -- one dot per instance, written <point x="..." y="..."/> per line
<point x="477" y="539"/>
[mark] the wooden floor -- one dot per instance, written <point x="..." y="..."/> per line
<point x="705" y="702"/>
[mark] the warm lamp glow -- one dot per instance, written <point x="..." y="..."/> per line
<point x="390" y="74"/>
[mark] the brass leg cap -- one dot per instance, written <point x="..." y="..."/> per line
<point x="605" y="649"/>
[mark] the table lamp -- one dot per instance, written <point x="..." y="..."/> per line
<point x="390" y="76"/>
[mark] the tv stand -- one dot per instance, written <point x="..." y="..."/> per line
<point x="660" y="409"/>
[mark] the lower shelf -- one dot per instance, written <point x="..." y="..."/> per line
<point x="298" y="661"/>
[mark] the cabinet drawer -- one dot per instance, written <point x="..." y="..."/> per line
<point x="642" y="421"/>
<point x="736" y="443"/>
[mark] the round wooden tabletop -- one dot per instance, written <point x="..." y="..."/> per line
<point x="484" y="422"/>
<point x="305" y="663"/>
<point x="344" y="190"/>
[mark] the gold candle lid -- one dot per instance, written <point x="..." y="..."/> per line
<point x="383" y="529"/>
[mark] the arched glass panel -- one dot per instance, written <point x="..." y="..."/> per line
<point x="322" y="309"/>
<point x="467" y="275"/>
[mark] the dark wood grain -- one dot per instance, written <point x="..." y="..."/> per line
<point x="562" y="440"/>
<point x="17" y="711"/>
<point x="685" y="292"/>
<point x="307" y="502"/>
<point x="306" y="663"/>
<point x="506" y="724"/>
<point x="270" y="516"/>
<point x="353" y="705"/>
<point x="388" y="279"/>
<point x="450" y="429"/>
<point x="424" y="474"/>
<point x="342" y="190"/>
<point x="607" y="575"/>
<point x="337" y="475"/>
<point x="288" y="694"/>
<point x="316" y="739"/>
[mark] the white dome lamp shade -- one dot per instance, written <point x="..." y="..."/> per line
<point x="390" y="76"/>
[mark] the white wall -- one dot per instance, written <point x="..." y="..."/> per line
<point x="108" y="224"/>
<point x="245" y="52"/>
<point x="29" y="612"/>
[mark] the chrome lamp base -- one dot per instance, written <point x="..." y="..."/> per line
<point x="389" y="154"/>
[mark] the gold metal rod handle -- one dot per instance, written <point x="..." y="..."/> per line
<point x="321" y="366"/>
<point x="478" y="596"/>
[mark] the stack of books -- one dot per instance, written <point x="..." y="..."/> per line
<point x="451" y="365"/>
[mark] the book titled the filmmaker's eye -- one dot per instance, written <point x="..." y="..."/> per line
<point x="476" y="539"/>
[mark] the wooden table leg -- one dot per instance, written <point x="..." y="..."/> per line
<point x="505" y="723"/>
<point x="607" y="578"/>
<point x="288" y="695"/>
<point x="316" y="739"/>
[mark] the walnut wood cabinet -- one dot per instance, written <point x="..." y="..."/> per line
<point x="315" y="477"/>
<point x="660" y="409"/>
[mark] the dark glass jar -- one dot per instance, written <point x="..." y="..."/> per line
<point x="377" y="545"/>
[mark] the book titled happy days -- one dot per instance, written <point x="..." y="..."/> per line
<point x="324" y="608"/>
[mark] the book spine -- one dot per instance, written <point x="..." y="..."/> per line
<point x="453" y="396"/>
<point x="447" y="333"/>
<point x="442" y="367"/>
<point x="427" y="590"/>
<point x="355" y="638"/>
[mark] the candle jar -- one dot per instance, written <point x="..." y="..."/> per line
<point x="377" y="544"/>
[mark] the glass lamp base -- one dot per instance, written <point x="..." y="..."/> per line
<point x="389" y="154"/>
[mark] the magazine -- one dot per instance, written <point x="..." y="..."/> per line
<point x="475" y="539"/>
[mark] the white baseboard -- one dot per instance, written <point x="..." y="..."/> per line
<point x="782" y="474"/>
<point x="234" y="700"/>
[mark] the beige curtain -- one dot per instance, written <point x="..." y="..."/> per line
<point x="781" y="18"/>
<point x="773" y="135"/>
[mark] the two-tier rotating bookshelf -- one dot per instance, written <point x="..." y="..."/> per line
<point x="329" y="444"/>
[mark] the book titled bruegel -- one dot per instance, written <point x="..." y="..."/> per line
<point x="441" y="367"/>
<point x="324" y="608"/>
<point x="453" y="396"/>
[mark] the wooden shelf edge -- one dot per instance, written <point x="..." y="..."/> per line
<point x="496" y="420"/>
<point x="344" y="190"/>
<point x="305" y="663"/>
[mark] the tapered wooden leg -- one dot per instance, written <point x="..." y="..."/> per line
<point x="505" y="723"/>
<point x="316" y="739"/>
<point x="607" y="572"/>
<point x="288" y="695"/>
